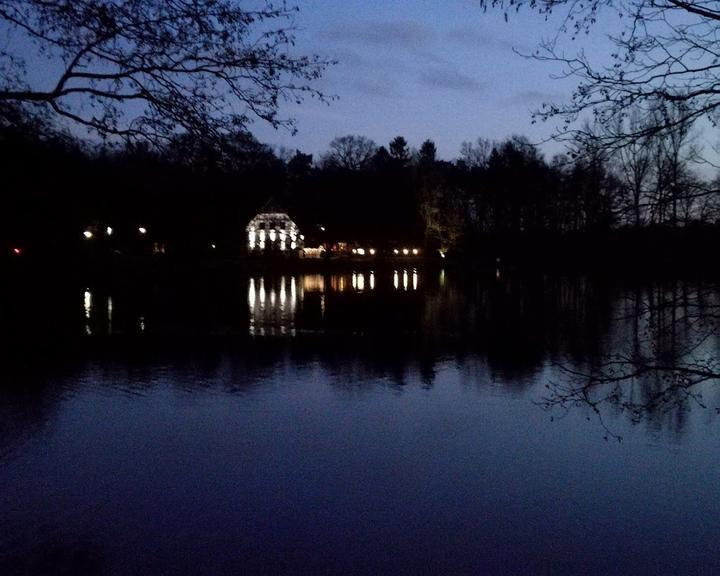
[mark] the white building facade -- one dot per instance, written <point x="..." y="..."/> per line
<point x="273" y="232"/>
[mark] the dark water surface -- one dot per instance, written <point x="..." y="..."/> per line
<point x="393" y="422"/>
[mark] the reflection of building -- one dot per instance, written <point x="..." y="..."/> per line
<point x="273" y="232"/>
<point x="272" y="303"/>
<point x="280" y="305"/>
<point x="406" y="280"/>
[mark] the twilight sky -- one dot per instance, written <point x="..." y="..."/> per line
<point x="422" y="69"/>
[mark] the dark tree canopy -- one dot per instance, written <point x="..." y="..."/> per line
<point x="150" y="69"/>
<point x="399" y="150"/>
<point x="428" y="152"/>
<point x="350" y="152"/>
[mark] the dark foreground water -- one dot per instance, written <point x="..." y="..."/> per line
<point x="399" y="422"/>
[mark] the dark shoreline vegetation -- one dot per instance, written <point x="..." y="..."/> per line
<point x="498" y="203"/>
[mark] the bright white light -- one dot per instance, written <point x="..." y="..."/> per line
<point x="87" y="303"/>
<point x="396" y="279"/>
<point x="88" y="234"/>
<point x="361" y="282"/>
<point x="272" y="235"/>
<point x="293" y="245"/>
<point x="415" y="251"/>
<point x="213" y="246"/>
<point x="302" y="237"/>
<point x="354" y="251"/>
<point x="396" y="251"/>
<point x="372" y="280"/>
<point x="109" y="230"/>
<point x="405" y="280"/>
<point x="415" y="280"/>
<point x="262" y="245"/>
<point x="372" y="251"/>
<point x="282" y="244"/>
<point x="322" y="228"/>
<point x="361" y="251"/>
<point x="251" y="293"/>
<point x="142" y="230"/>
<point x="406" y="251"/>
<point x="442" y="254"/>
<point x="354" y="281"/>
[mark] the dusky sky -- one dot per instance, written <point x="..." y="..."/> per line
<point x="425" y="69"/>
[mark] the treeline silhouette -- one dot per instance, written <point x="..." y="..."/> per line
<point x="496" y="200"/>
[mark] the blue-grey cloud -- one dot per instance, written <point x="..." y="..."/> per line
<point x="398" y="33"/>
<point x="382" y="87"/>
<point x="448" y="79"/>
<point x="534" y="97"/>
<point x="477" y="38"/>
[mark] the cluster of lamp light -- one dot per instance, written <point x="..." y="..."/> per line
<point x="406" y="251"/>
<point x="362" y="251"/>
<point x="88" y="234"/>
<point x="396" y="251"/>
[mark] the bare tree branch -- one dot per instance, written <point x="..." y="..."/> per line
<point x="206" y="67"/>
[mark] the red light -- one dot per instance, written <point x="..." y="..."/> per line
<point x="17" y="251"/>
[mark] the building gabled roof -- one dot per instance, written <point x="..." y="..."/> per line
<point x="272" y="206"/>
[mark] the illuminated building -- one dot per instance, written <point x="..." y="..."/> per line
<point x="273" y="232"/>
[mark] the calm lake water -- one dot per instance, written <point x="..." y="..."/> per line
<point x="394" y="421"/>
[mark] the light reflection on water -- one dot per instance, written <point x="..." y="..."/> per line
<point x="272" y="304"/>
<point x="87" y="305"/>
<point x="251" y="454"/>
<point x="273" y="310"/>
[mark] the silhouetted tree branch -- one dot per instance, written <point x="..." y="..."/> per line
<point x="665" y="52"/>
<point x="349" y="152"/>
<point x="150" y="69"/>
